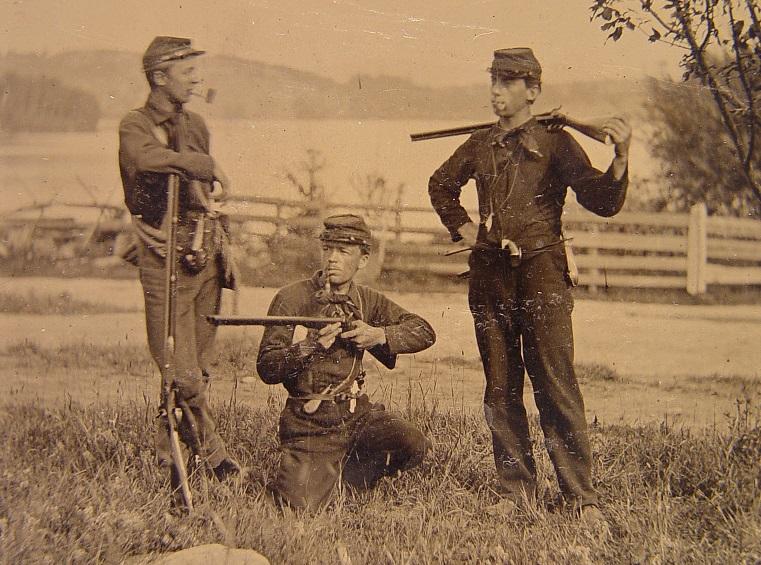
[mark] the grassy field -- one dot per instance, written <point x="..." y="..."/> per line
<point x="676" y="450"/>
<point x="79" y="484"/>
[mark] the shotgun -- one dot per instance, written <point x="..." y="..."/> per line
<point x="553" y="119"/>
<point x="305" y="321"/>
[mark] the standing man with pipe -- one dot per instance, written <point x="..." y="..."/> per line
<point x="160" y="144"/>
<point x="519" y="278"/>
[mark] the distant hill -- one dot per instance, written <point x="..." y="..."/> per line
<point x="40" y="103"/>
<point x="252" y="89"/>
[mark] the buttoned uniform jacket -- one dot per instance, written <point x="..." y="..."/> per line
<point x="521" y="179"/>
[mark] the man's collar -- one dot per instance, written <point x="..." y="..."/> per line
<point x="498" y="131"/>
<point x="160" y="108"/>
<point x="524" y="134"/>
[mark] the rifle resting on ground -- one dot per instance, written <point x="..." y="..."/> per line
<point x="552" y="119"/>
<point x="169" y="390"/>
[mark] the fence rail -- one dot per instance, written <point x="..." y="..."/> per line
<point x="636" y="250"/>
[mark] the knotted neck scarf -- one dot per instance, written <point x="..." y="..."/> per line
<point x="335" y="304"/>
<point x="524" y="139"/>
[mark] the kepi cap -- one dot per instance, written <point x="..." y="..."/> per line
<point x="164" y="49"/>
<point x="346" y="228"/>
<point x="516" y="62"/>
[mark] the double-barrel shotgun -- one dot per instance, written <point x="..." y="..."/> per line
<point x="552" y="119"/>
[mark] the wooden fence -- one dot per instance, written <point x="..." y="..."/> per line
<point x="634" y="250"/>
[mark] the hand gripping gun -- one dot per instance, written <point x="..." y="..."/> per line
<point x="312" y="404"/>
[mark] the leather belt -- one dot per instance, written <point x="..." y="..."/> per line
<point x="515" y="253"/>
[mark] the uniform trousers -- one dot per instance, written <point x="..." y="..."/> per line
<point x="522" y="318"/>
<point x="198" y="295"/>
<point x="334" y="447"/>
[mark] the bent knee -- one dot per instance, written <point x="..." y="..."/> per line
<point x="191" y="386"/>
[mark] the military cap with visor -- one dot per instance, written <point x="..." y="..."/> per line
<point x="346" y="228"/>
<point x="164" y="49"/>
<point x="516" y="62"/>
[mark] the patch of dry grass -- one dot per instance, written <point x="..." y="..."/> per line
<point x="79" y="485"/>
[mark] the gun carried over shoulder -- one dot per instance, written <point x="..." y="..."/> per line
<point x="554" y="120"/>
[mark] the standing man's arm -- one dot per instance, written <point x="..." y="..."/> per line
<point x="140" y="151"/>
<point x="620" y="132"/>
<point x="444" y="189"/>
<point x="600" y="193"/>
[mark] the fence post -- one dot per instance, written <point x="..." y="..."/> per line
<point x="592" y="252"/>
<point x="398" y="220"/>
<point x="697" y="249"/>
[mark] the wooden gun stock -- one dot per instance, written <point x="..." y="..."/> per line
<point x="552" y="120"/>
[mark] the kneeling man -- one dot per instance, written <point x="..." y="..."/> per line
<point x="329" y="431"/>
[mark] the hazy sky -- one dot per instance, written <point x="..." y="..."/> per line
<point x="431" y="41"/>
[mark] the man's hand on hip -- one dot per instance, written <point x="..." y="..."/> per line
<point x="469" y="233"/>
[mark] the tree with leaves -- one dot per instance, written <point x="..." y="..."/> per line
<point x="721" y="44"/>
<point x="696" y="155"/>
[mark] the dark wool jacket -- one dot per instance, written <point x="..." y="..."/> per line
<point x="146" y="158"/>
<point x="303" y="367"/>
<point x="521" y="178"/>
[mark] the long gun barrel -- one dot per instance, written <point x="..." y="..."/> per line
<point x="305" y="321"/>
<point x="553" y="120"/>
<point x="169" y="389"/>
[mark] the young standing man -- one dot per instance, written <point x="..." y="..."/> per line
<point x="158" y="140"/>
<point x="522" y="305"/>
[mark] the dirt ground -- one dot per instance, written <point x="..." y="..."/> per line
<point x="685" y="364"/>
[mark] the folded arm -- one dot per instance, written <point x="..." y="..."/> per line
<point x="445" y="187"/>
<point x="142" y="152"/>
<point x="280" y="359"/>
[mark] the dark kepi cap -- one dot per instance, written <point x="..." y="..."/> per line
<point x="164" y="49"/>
<point x="517" y="62"/>
<point x="346" y="228"/>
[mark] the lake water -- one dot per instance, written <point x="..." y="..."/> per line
<point x="40" y="167"/>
